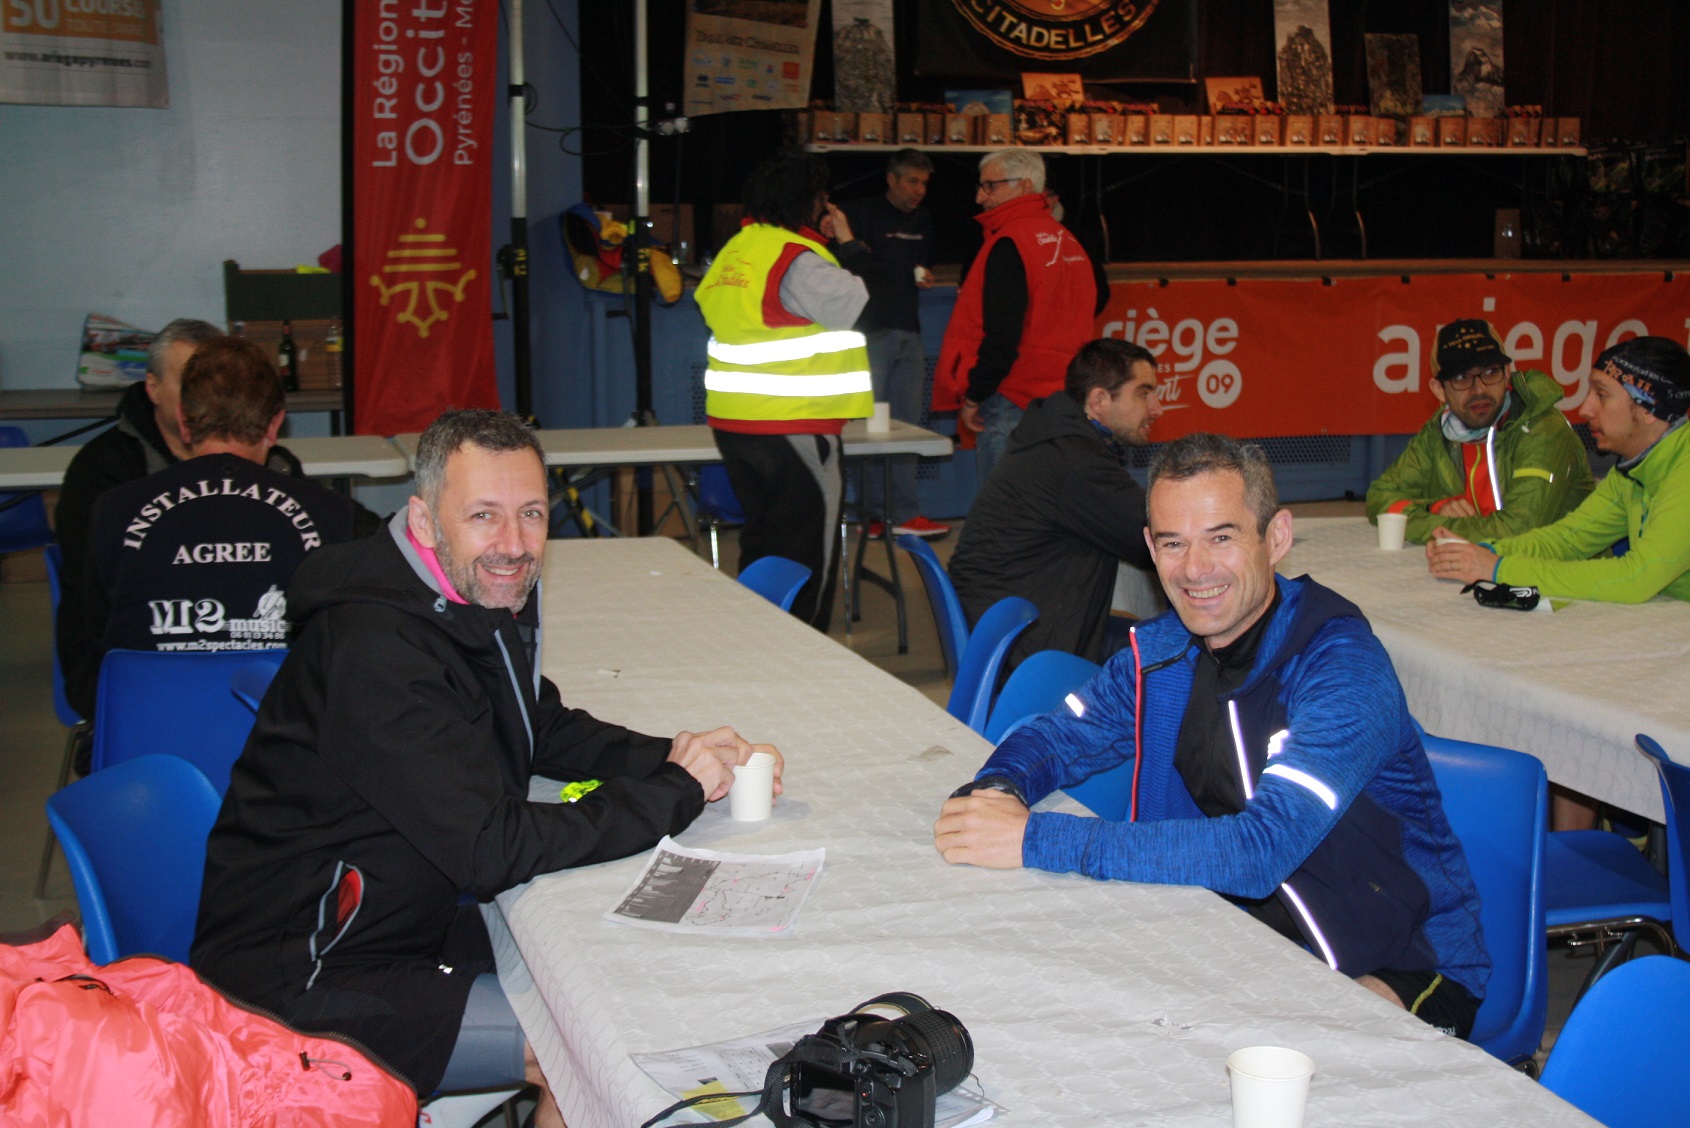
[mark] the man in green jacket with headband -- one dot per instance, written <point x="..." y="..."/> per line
<point x="1499" y="458"/>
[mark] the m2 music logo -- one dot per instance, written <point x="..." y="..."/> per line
<point x="186" y="616"/>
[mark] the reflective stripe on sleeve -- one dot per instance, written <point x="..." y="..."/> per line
<point x="1075" y="705"/>
<point x="1304" y="779"/>
<point x="789" y="349"/>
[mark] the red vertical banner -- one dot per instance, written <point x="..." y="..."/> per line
<point x="425" y="73"/>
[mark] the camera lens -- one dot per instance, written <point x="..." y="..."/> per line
<point x="938" y="1035"/>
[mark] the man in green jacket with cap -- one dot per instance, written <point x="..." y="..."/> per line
<point x="1499" y="458"/>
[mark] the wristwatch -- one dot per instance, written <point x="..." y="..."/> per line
<point x="991" y="783"/>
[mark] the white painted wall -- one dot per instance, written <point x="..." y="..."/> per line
<point x="131" y="212"/>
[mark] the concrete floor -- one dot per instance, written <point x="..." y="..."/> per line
<point x="33" y="740"/>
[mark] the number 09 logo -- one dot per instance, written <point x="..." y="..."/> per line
<point x="1219" y="383"/>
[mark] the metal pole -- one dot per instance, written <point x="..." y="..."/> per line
<point x="643" y="410"/>
<point x="519" y="223"/>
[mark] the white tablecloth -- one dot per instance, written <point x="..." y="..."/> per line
<point x="1090" y="1003"/>
<point x="1572" y="687"/>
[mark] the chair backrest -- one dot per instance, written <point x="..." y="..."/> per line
<point x="23" y="516"/>
<point x="716" y="495"/>
<point x="134" y="837"/>
<point x="1497" y="803"/>
<point x="947" y="608"/>
<point x="1038" y="685"/>
<point x="174" y="702"/>
<point x="55" y="558"/>
<point x="1675" y="796"/>
<point x="1620" y="1057"/>
<point x="249" y="683"/>
<point x="977" y="674"/>
<point x="776" y="579"/>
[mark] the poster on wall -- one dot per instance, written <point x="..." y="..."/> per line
<point x="422" y="206"/>
<point x="1303" y="32"/>
<point x="1275" y="358"/>
<point x="864" y="78"/>
<point x="62" y="53"/>
<point x="750" y="54"/>
<point x="1475" y="55"/>
<point x="1393" y="75"/>
<point x="1100" y="40"/>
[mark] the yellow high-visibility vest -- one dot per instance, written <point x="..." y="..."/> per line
<point x="760" y="371"/>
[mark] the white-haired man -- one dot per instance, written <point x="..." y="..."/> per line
<point x="1022" y="312"/>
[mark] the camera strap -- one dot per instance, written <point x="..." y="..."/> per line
<point x="774" y="1085"/>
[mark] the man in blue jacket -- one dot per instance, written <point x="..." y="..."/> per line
<point x="1276" y="760"/>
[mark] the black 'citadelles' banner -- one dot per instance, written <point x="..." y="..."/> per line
<point x="1098" y="39"/>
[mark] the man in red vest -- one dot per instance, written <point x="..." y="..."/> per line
<point x="1022" y="313"/>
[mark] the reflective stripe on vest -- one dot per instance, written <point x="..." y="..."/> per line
<point x="758" y="371"/>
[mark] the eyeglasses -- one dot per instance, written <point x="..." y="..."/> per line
<point x="1489" y="376"/>
<point x="992" y="185"/>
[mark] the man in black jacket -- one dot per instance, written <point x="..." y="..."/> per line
<point x="386" y="779"/>
<point x="1060" y="509"/>
<point x="195" y="556"/>
<point x="143" y="441"/>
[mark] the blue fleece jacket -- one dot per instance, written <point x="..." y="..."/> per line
<point x="1342" y="820"/>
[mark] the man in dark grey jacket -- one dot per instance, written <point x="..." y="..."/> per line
<point x="1060" y="509"/>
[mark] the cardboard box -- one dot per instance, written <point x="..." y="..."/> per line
<point x="1386" y="133"/>
<point x="1299" y="129"/>
<point x="802" y="125"/>
<point x="1161" y="129"/>
<point x="912" y="128"/>
<point x="318" y="369"/>
<point x="874" y="129"/>
<point x="1329" y="131"/>
<point x="1108" y="129"/>
<point x="1452" y="132"/>
<point x="1422" y="132"/>
<point x="1206" y="130"/>
<point x="1358" y="130"/>
<point x="1567" y="133"/>
<point x="995" y="129"/>
<point x="1078" y="128"/>
<point x="625" y="502"/>
<point x="959" y="129"/>
<point x="1486" y="132"/>
<point x="1523" y="132"/>
<point x="1138" y="129"/>
<point x="1185" y="130"/>
<point x="1267" y="129"/>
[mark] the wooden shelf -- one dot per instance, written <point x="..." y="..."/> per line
<point x="1218" y="150"/>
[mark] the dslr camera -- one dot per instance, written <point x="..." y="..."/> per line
<point x="863" y="1070"/>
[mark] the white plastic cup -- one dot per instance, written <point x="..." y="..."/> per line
<point x="752" y="796"/>
<point x="1392" y="528"/>
<point x="881" y="421"/>
<point x="1270" y="1087"/>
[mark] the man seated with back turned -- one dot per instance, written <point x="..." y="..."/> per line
<point x="1277" y="763"/>
<point x="386" y="779"/>
<point x="1499" y="459"/>
<point x="1060" y="509"/>
<point x="195" y="557"/>
<point x="1630" y="540"/>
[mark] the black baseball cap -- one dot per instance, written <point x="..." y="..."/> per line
<point x="1469" y="343"/>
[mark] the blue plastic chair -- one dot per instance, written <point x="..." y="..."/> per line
<point x="714" y="499"/>
<point x="982" y="658"/>
<point x="1600" y="889"/>
<point x="776" y="579"/>
<point x="947" y="608"/>
<point x="68" y="717"/>
<point x="249" y="683"/>
<point x="175" y="702"/>
<point x="1497" y="802"/>
<point x="23" y="516"/>
<point x="1039" y="685"/>
<point x="134" y="836"/>
<point x="1622" y="1055"/>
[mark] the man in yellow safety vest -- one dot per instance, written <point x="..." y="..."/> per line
<point x="786" y="370"/>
